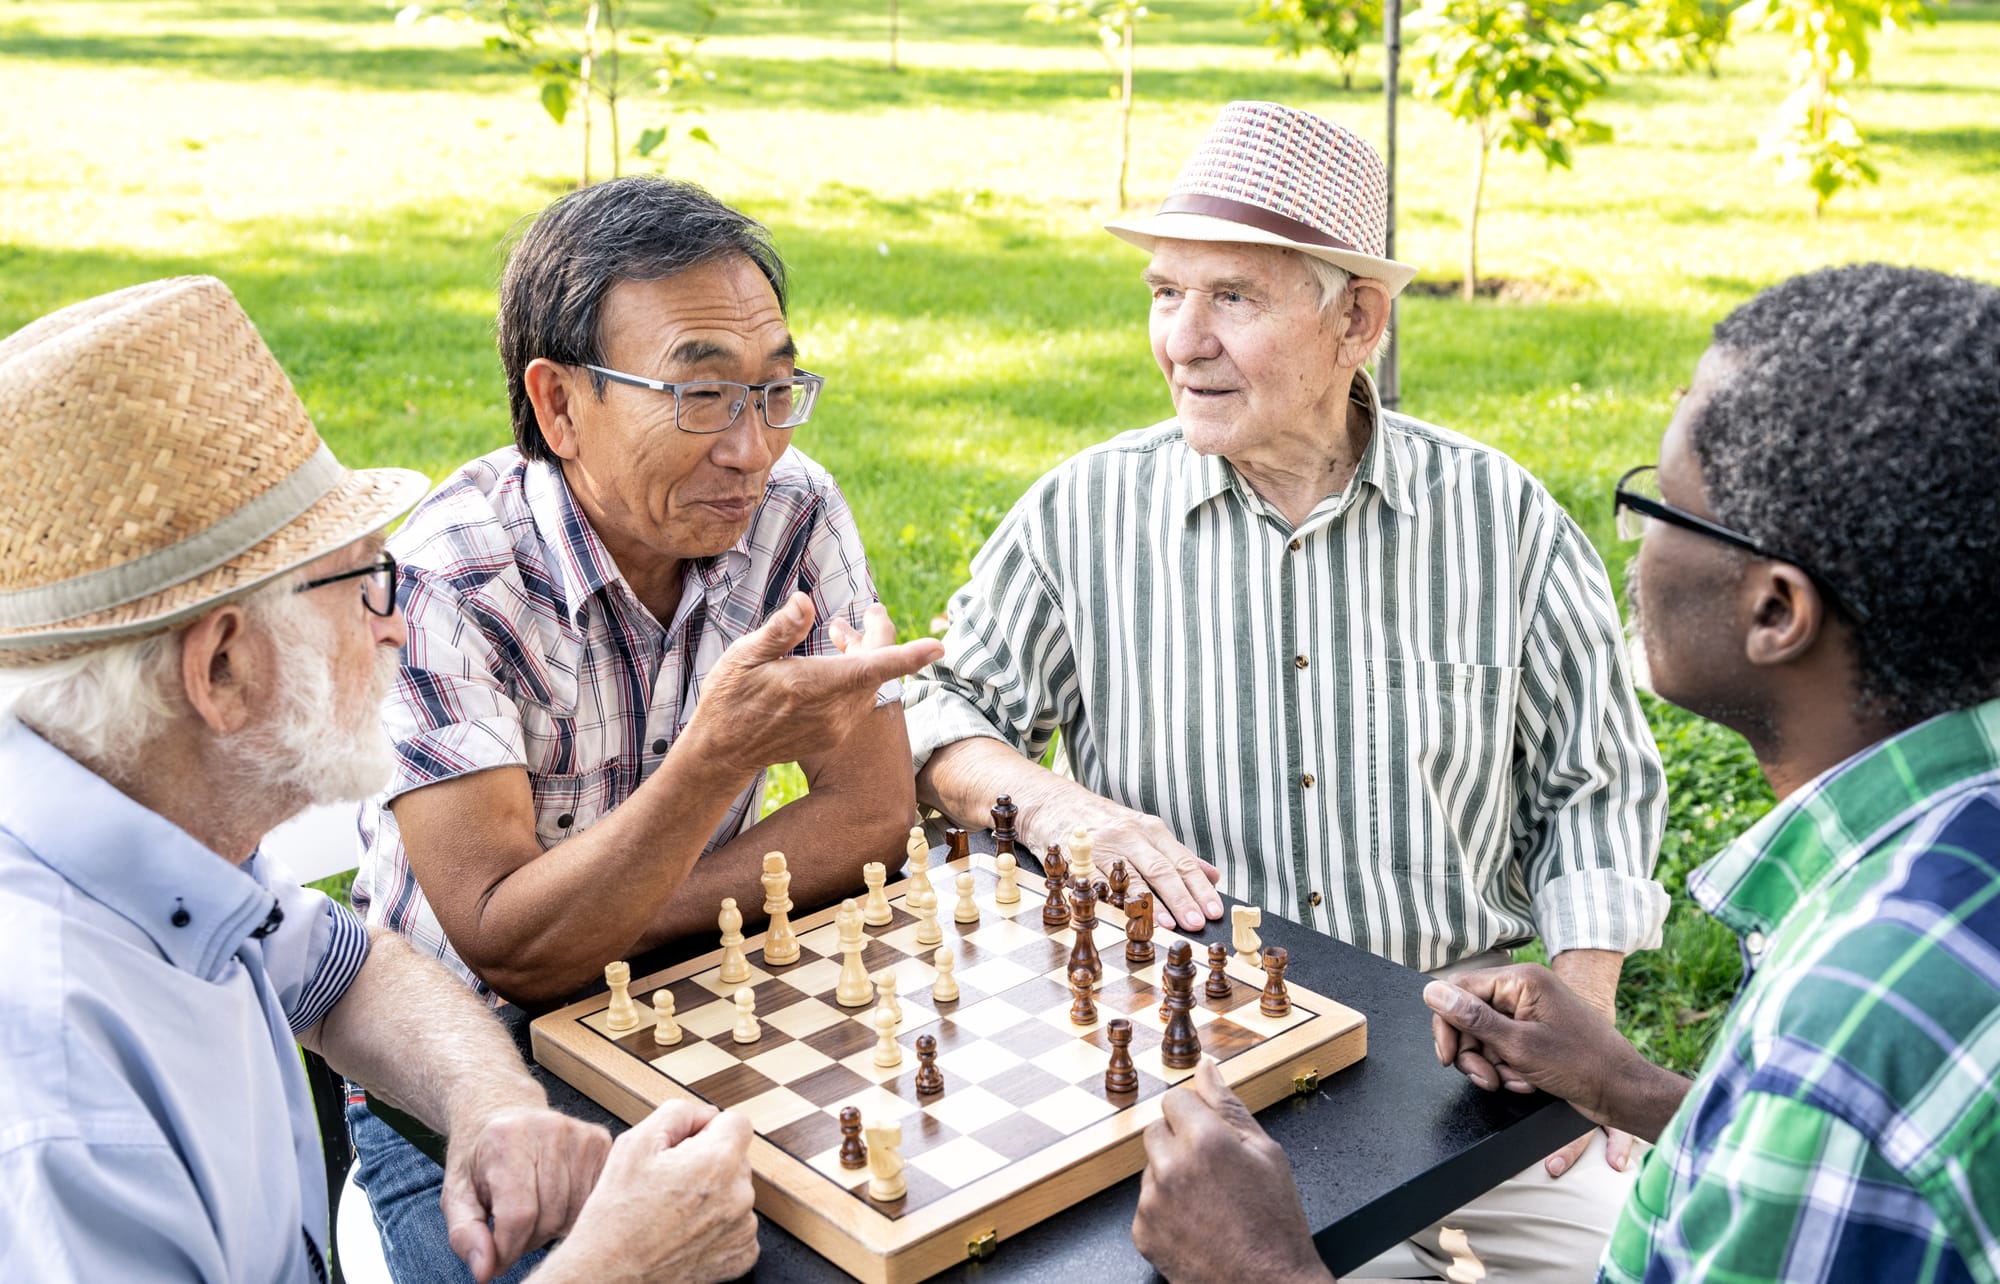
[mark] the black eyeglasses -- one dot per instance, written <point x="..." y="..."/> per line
<point x="1636" y="498"/>
<point x="707" y="406"/>
<point x="378" y="584"/>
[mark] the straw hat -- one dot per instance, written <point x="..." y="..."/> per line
<point x="1272" y="175"/>
<point x="154" y="460"/>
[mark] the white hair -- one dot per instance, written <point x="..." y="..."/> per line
<point x="1335" y="284"/>
<point x="103" y="706"/>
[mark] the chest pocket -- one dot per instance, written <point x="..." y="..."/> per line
<point x="1440" y="758"/>
<point x="567" y="804"/>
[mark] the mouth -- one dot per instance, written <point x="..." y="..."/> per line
<point x="731" y="509"/>
<point x="1210" y="394"/>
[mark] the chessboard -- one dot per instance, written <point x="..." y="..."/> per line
<point x="1024" y="1126"/>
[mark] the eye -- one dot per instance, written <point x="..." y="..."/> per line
<point x="1165" y="292"/>
<point x="1229" y="296"/>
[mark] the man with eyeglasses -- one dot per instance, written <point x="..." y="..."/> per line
<point x="616" y="625"/>
<point x="1818" y="572"/>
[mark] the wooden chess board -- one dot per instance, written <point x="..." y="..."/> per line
<point x="1023" y="1128"/>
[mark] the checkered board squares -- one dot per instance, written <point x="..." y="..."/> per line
<point x="1024" y="1103"/>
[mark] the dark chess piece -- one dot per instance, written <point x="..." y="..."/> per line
<point x="930" y="1079"/>
<point x="1082" y="1009"/>
<point x="1139" y="929"/>
<point x="1083" y="954"/>
<point x="1180" y="1047"/>
<point x="1004" y="812"/>
<point x="1276" y="1002"/>
<point x="1121" y="1075"/>
<point x="853" y="1154"/>
<point x="1114" y="894"/>
<point x="1056" y="912"/>
<point x="957" y="843"/>
<point x="1218" y="986"/>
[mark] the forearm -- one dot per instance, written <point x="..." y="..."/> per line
<point x="963" y="778"/>
<point x="1639" y="1097"/>
<point x="1593" y="975"/>
<point x="410" y="1031"/>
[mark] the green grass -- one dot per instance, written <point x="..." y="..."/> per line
<point x="351" y="178"/>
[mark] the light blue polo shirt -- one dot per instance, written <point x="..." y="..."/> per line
<point x="155" y="1123"/>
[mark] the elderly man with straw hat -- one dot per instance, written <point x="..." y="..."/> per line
<point x="1346" y="665"/>
<point x="196" y="623"/>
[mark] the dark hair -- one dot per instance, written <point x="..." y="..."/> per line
<point x="1855" y="424"/>
<point x="627" y="229"/>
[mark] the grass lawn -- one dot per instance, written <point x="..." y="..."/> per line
<point x="351" y="179"/>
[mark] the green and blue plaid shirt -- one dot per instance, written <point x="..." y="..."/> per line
<point x="1847" y="1123"/>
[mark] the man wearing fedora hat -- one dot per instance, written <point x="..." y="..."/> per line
<point x="196" y="622"/>
<point x="1341" y="663"/>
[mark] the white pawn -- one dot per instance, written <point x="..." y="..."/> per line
<point x="747" y="1030"/>
<point x="875" y="909"/>
<point x="888" y="1052"/>
<point x="928" y="931"/>
<point x="885" y="991"/>
<point x="1080" y="846"/>
<point x="623" y="1014"/>
<point x="781" y="944"/>
<point x="1009" y="892"/>
<point x="666" y="1030"/>
<point x="918" y="849"/>
<point x="968" y="908"/>
<point x="945" y="988"/>
<point x="853" y="989"/>
<point x="735" y="968"/>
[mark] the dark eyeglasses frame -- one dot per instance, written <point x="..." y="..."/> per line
<point x="1660" y="510"/>
<point x="758" y="391"/>
<point x="383" y="573"/>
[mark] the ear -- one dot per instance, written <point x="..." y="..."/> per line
<point x="1787" y="614"/>
<point x="552" y="389"/>
<point x="217" y="669"/>
<point x="1366" y="318"/>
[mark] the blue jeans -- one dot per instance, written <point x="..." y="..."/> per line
<point x="403" y="1185"/>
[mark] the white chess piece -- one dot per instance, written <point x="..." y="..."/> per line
<point x="623" y="1014"/>
<point x="918" y="849"/>
<point x="885" y="993"/>
<point x="1009" y="891"/>
<point x="920" y="870"/>
<point x="781" y="944"/>
<point x="928" y="931"/>
<point x="735" y="968"/>
<point x="885" y="1162"/>
<point x="747" y="1030"/>
<point x="1081" y="845"/>
<point x="888" y="1052"/>
<point x="854" y="988"/>
<point x="875" y="909"/>
<point x="944" y="989"/>
<point x="1466" y="1268"/>
<point x="1243" y="920"/>
<point x="968" y="907"/>
<point x="666" y="1030"/>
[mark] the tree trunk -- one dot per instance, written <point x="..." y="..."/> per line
<point x="611" y="93"/>
<point x="1125" y="112"/>
<point x="1471" y="285"/>
<point x="586" y="86"/>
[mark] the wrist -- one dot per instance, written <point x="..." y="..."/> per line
<point x="1641" y="1096"/>
<point x="468" y="1114"/>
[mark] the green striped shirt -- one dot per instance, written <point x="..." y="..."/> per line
<point x="1847" y="1123"/>
<point x="1406" y="722"/>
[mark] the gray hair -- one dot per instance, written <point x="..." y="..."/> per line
<point x="1335" y="283"/>
<point x="641" y="228"/>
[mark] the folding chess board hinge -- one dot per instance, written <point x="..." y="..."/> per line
<point x="1305" y="1081"/>
<point x="982" y="1246"/>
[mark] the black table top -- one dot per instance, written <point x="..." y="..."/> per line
<point x="1383" y="1149"/>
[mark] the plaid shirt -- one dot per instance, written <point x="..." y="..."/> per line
<point x="529" y="649"/>
<point x="1847" y="1123"/>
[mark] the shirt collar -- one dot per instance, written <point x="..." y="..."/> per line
<point x="1382" y="465"/>
<point x="194" y="905"/>
<point x="1844" y="813"/>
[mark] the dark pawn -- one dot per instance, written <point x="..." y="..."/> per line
<point x="1180" y="1047"/>
<point x="853" y="1153"/>
<point x="957" y="843"/>
<point x="1139" y="929"/>
<point x="1276" y="1002"/>
<point x="1056" y="912"/>
<point x="1114" y="895"/>
<point x="1004" y="812"/>
<point x="1082" y="1008"/>
<point x="930" y="1079"/>
<point x="1121" y="1075"/>
<point x="1083" y="954"/>
<point x="1218" y="986"/>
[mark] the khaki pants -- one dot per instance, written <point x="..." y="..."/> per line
<point x="1531" y="1227"/>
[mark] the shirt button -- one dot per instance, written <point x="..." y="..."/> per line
<point x="660" y="745"/>
<point x="1300" y="661"/>
<point x="1754" y="943"/>
<point x="1308" y="781"/>
<point x="565" y="820"/>
<point x="1313" y="900"/>
<point x="1296" y="545"/>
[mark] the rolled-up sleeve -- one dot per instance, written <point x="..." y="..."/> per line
<point x="315" y="952"/>
<point x="1009" y="671"/>
<point x="1589" y="793"/>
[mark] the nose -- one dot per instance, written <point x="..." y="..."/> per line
<point x="747" y="446"/>
<point x="391" y="629"/>
<point x="1191" y="331"/>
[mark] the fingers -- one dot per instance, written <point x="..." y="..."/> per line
<point x="673" y="1122"/>
<point x="465" y="1225"/>
<point x="877" y="629"/>
<point x="1228" y="1107"/>
<point x="776" y="636"/>
<point x="726" y="1137"/>
<point x="1214" y="872"/>
<point x="1182" y="882"/>
<point x="1565" y="1159"/>
<point x="1617" y="1148"/>
<point x="1474" y="1066"/>
<point x="1445" y="1040"/>
<point x="871" y="668"/>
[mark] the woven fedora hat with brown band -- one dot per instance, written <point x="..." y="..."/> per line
<point x="154" y="460"/>
<point x="1273" y="175"/>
